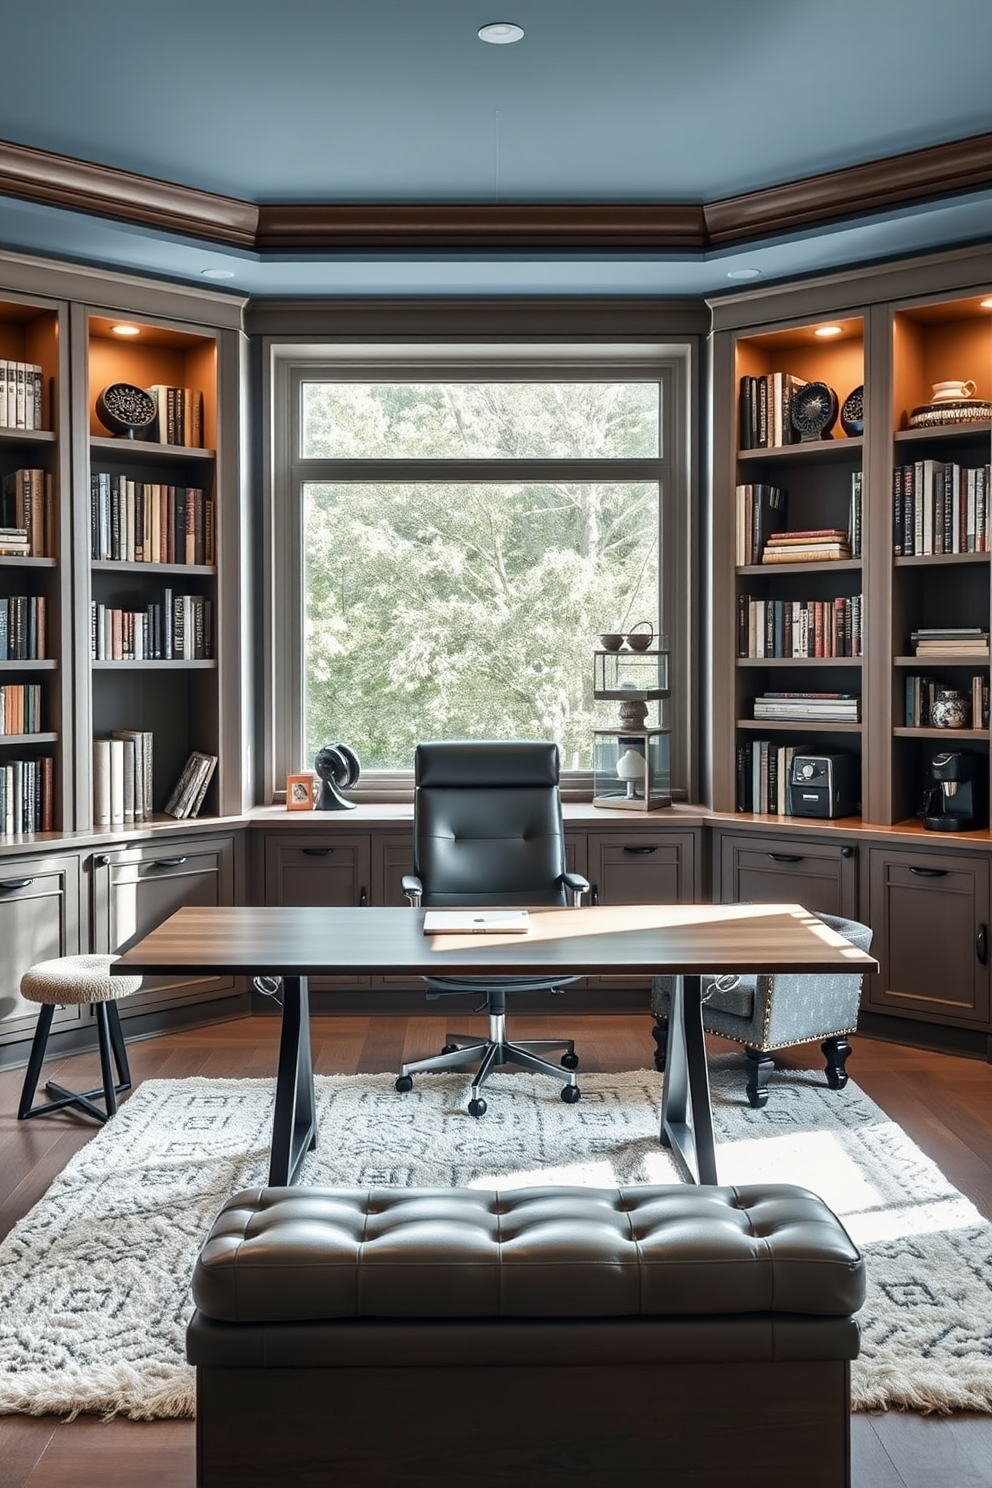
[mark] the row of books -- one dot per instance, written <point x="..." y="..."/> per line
<point x="950" y="640"/>
<point x="814" y="545"/>
<point x="765" y="406"/>
<point x="799" y="628"/>
<point x="763" y="534"/>
<point x="180" y="416"/>
<point x="20" y="708"/>
<point x="22" y="627"/>
<point x="921" y="691"/>
<point x="135" y="521"/>
<point x="178" y="627"/>
<point x="191" y="787"/>
<point x="763" y="769"/>
<point x="123" y="778"/>
<point x="27" y="511"/>
<point x="27" y="795"/>
<point x="22" y="395"/>
<point x="940" y="507"/>
<point x="808" y="707"/>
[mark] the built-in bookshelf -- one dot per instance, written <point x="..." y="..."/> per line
<point x="151" y="555"/>
<point x="837" y="558"/>
<point x="36" y="737"/>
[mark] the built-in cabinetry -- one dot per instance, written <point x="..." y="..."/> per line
<point x="820" y="872"/>
<point x="40" y="917"/>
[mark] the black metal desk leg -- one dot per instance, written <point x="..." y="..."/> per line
<point x="686" y="1115"/>
<point x="294" y="1122"/>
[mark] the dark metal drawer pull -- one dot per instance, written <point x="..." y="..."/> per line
<point x="318" y="852"/>
<point x="929" y="872"/>
<point x="167" y="862"/>
<point x="7" y="886"/>
<point x="647" y="848"/>
<point x="786" y="857"/>
<point x="982" y="944"/>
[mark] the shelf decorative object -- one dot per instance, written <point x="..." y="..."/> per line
<point x="950" y="709"/>
<point x="125" y="409"/>
<point x="814" y="411"/>
<point x="632" y="762"/>
<point x="950" y="411"/>
<point x="852" y="413"/>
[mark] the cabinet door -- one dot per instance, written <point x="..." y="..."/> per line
<point x="642" y="867"/>
<point x="136" y="888"/>
<point x="930" y="913"/>
<point x="822" y="876"/>
<point x="39" y="919"/>
<point x="318" y="869"/>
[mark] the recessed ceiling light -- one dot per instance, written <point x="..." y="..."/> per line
<point x="829" y="330"/>
<point x="126" y="330"/>
<point x="987" y="304"/>
<point x="217" y="273"/>
<point x="743" y="273"/>
<point x="500" y="32"/>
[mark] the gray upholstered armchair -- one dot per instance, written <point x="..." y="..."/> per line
<point x="765" y="1013"/>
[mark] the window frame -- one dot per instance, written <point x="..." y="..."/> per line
<point x="292" y="362"/>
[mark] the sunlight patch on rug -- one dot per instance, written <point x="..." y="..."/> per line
<point x="94" y="1282"/>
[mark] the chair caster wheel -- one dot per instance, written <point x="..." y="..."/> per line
<point x="570" y="1094"/>
<point x="404" y="1083"/>
<point x="477" y="1108"/>
<point x="570" y="1061"/>
<point x="450" y="1049"/>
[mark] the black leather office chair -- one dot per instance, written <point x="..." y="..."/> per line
<point x="488" y="831"/>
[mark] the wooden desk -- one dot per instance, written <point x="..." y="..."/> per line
<point x="687" y="941"/>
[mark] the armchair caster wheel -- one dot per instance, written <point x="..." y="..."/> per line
<point x="450" y="1049"/>
<point x="404" y="1083"/>
<point x="570" y="1061"/>
<point x="570" y="1094"/>
<point x="477" y="1108"/>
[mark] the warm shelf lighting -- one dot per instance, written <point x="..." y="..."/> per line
<point x="987" y="304"/>
<point x="126" y="330"/>
<point x="743" y="273"/>
<point x="829" y="330"/>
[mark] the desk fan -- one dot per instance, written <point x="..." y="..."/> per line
<point x="337" y="768"/>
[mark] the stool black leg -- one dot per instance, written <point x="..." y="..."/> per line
<point x="36" y="1060"/>
<point x="106" y="1065"/>
<point x="119" y="1047"/>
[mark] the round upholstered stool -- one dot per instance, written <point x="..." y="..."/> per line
<point x="71" y="981"/>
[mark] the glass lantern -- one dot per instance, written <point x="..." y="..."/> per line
<point x="632" y="769"/>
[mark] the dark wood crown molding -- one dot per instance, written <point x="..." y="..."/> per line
<point x="61" y="181"/>
<point x="920" y="175"/>
<point x="942" y="170"/>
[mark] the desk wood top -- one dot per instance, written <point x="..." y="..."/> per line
<point x="600" y="939"/>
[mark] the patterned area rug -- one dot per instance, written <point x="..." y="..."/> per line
<point x="94" y="1281"/>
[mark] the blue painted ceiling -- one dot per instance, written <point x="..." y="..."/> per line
<point x="398" y="101"/>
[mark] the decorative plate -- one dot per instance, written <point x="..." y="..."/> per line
<point x="123" y="408"/>
<point x="852" y="413"/>
<point x="814" y="411"/>
<point x="950" y="411"/>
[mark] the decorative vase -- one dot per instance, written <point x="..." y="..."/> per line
<point x="950" y="709"/>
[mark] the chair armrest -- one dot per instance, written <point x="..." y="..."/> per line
<point x="412" y="888"/>
<point x="576" y="886"/>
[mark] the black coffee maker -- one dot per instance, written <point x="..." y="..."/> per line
<point x="954" y="795"/>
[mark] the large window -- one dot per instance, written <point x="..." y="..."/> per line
<point x="455" y="537"/>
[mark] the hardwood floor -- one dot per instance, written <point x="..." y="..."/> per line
<point x="943" y="1102"/>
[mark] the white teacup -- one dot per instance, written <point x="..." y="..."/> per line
<point x="945" y="390"/>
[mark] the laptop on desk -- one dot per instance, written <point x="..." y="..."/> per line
<point x="476" y="922"/>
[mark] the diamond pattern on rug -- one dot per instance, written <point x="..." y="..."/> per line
<point x="94" y="1282"/>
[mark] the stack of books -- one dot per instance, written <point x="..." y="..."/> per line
<point x="921" y="692"/>
<point x="191" y="787"/>
<point x="14" y="542"/>
<point x="27" y="505"/>
<point x="950" y="640"/>
<point x="122" y="778"/>
<point x="808" y="707"/>
<point x="814" y="545"/>
<point x="765" y="407"/>
<point x="180" y="415"/>
<point x="22" y="388"/>
<point x="760" y="511"/>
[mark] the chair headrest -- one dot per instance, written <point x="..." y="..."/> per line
<point x="492" y="763"/>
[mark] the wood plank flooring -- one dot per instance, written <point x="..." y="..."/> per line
<point x="942" y="1101"/>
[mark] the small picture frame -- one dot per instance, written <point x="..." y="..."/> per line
<point x="300" y="792"/>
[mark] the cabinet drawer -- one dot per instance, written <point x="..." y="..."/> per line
<point x="646" y="868"/>
<point x="930" y="913"/>
<point x="321" y="869"/>
<point x="135" y="888"/>
<point x="821" y="875"/>
<point x="39" y="919"/>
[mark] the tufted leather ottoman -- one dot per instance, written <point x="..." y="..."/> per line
<point x="554" y="1336"/>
